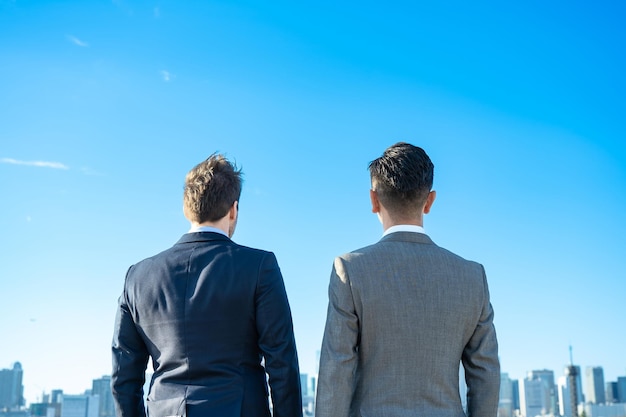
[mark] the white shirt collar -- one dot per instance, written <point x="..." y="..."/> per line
<point x="404" y="228"/>
<point x="196" y="229"/>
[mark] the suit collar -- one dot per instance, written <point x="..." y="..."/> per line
<point x="203" y="237"/>
<point x="404" y="228"/>
<point x="407" y="237"/>
<point x="196" y="229"/>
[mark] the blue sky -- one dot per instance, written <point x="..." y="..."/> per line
<point x="106" y="105"/>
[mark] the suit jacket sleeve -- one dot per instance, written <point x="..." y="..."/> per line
<point x="130" y="358"/>
<point x="481" y="363"/>
<point x="339" y="355"/>
<point x="277" y="341"/>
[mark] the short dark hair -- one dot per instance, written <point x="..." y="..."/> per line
<point x="402" y="178"/>
<point x="211" y="188"/>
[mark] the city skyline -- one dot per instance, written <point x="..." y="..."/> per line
<point x="107" y="105"/>
<point x="584" y="389"/>
<point x="101" y="385"/>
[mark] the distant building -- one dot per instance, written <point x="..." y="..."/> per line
<point x="313" y="386"/>
<point x="604" y="410"/>
<point x="45" y="409"/>
<point x="15" y="413"/>
<point x="307" y="385"/>
<point x="308" y="405"/>
<point x="505" y="405"/>
<point x="621" y="389"/>
<point x="611" y="393"/>
<point x="562" y="390"/>
<point x="537" y="394"/>
<point x="564" y="395"/>
<point x="516" y="405"/>
<point x="531" y="397"/>
<point x="579" y="383"/>
<point x="304" y="384"/>
<point x="594" y="385"/>
<point x="39" y="409"/>
<point x="571" y="376"/>
<point x="102" y="388"/>
<point x="80" y="406"/>
<point x="11" y="388"/>
<point x="547" y="377"/>
<point x="56" y="396"/>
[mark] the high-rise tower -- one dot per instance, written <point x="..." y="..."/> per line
<point x="571" y="372"/>
<point x="594" y="385"/>
<point x="11" y="388"/>
<point x="505" y="404"/>
<point x="549" y="388"/>
<point x="537" y="393"/>
<point x="621" y="389"/>
<point x="102" y="388"/>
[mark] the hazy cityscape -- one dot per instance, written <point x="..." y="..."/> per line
<point x="542" y="392"/>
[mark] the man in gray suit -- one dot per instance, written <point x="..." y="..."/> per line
<point x="403" y="314"/>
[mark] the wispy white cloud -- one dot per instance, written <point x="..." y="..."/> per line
<point x="167" y="76"/>
<point x="77" y="41"/>
<point x="40" y="164"/>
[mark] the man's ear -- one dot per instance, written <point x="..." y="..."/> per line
<point x="375" y="202"/>
<point x="234" y="210"/>
<point x="429" y="201"/>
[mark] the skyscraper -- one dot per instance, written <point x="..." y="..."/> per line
<point x="80" y="406"/>
<point x="532" y="397"/>
<point x="594" y="385"/>
<point x="537" y="394"/>
<point x="562" y="389"/>
<point x="11" y="388"/>
<point x="547" y="378"/>
<point x="313" y="385"/>
<point x="611" y="393"/>
<point x="102" y="388"/>
<point x="304" y="384"/>
<point x="505" y="404"/>
<point x="56" y="396"/>
<point x="570" y="391"/>
<point x="308" y="394"/>
<point x="621" y="389"/>
<point x="515" y="383"/>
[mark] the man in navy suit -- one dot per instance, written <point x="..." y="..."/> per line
<point x="213" y="316"/>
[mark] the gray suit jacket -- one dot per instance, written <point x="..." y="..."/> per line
<point x="402" y="315"/>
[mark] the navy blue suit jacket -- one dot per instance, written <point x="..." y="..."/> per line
<point x="207" y="311"/>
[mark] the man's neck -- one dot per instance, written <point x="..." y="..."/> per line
<point x="412" y="228"/>
<point x="211" y="229"/>
<point x="388" y="222"/>
<point x="221" y="225"/>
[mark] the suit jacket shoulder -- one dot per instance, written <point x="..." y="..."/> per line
<point x="400" y="245"/>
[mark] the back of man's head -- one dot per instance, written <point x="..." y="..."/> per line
<point x="211" y="188"/>
<point x="402" y="178"/>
